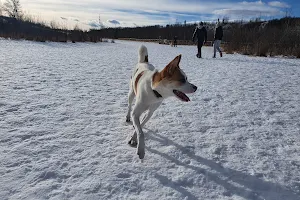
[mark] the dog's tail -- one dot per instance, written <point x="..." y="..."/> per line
<point x="143" y="54"/>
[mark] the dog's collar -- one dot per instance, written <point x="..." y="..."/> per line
<point x="157" y="94"/>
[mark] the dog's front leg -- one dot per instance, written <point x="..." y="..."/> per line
<point x="152" y="108"/>
<point x="133" y="140"/>
<point x="137" y="111"/>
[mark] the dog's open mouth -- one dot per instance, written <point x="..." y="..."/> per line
<point x="181" y="95"/>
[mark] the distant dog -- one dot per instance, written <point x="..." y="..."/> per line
<point x="150" y="88"/>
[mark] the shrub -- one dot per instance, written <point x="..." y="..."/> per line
<point x="276" y="37"/>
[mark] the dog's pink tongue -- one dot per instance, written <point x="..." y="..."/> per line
<point x="182" y="96"/>
<point x="185" y="98"/>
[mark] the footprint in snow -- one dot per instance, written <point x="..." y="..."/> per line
<point x="123" y="175"/>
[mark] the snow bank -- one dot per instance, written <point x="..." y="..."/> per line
<point x="63" y="131"/>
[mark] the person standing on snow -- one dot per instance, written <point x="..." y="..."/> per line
<point x="217" y="38"/>
<point x="175" y="41"/>
<point x="201" y="34"/>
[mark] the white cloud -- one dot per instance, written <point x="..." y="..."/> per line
<point x="279" y="4"/>
<point x="113" y="21"/>
<point x="134" y="12"/>
<point x="255" y="3"/>
<point x="248" y="10"/>
<point x="245" y="13"/>
<point x="94" y="24"/>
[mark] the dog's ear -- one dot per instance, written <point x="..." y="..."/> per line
<point x="176" y="60"/>
<point x="171" y="67"/>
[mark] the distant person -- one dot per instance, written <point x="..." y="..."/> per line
<point x="201" y="34"/>
<point x="217" y="38"/>
<point x="175" y="41"/>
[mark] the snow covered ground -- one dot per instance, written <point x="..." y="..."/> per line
<point x="63" y="133"/>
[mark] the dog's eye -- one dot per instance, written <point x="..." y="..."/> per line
<point x="182" y="80"/>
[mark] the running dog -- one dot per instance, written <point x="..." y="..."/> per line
<point x="151" y="87"/>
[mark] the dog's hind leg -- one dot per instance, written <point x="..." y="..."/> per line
<point x="130" y="100"/>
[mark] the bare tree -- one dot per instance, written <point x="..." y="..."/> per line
<point x="1" y="8"/>
<point x="54" y="24"/>
<point x="13" y="8"/>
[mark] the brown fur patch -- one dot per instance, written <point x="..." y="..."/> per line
<point x="171" y="72"/>
<point x="137" y="80"/>
<point x="156" y="79"/>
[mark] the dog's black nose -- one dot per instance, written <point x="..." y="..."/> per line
<point x="195" y="87"/>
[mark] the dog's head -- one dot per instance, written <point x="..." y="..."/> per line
<point x="172" y="81"/>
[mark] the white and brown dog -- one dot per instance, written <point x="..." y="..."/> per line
<point x="151" y="87"/>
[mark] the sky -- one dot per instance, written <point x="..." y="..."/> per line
<point x="131" y="13"/>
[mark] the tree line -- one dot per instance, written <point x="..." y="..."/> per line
<point x="267" y="38"/>
<point x="260" y="38"/>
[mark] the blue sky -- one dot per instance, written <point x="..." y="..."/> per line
<point x="130" y="13"/>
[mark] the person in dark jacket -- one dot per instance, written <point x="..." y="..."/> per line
<point x="217" y="39"/>
<point x="201" y="34"/>
<point x="175" y="41"/>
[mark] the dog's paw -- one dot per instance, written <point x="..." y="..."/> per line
<point x="127" y="119"/>
<point x="141" y="152"/>
<point x="132" y="143"/>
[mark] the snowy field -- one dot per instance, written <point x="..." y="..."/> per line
<point x="63" y="133"/>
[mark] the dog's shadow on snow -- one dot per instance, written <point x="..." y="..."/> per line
<point x="251" y="187"/>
